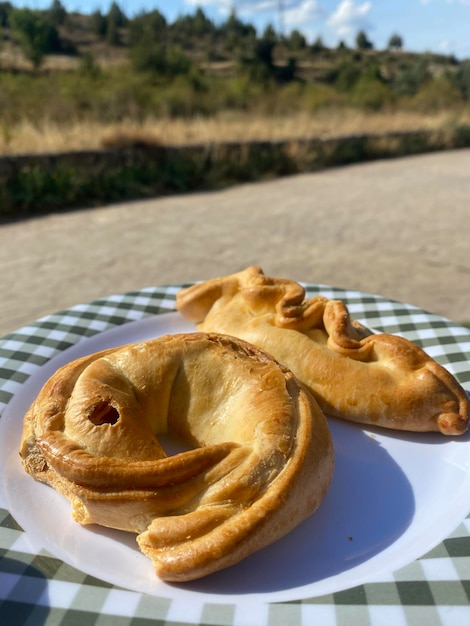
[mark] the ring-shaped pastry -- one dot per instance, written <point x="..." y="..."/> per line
<point x="258" y="457"/>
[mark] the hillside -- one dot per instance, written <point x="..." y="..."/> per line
<point x="76" y="81"/>
<point x="195" y="105"/>
<point x="112" y="39"/>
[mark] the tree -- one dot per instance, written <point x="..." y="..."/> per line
<point x="186" y="28"/>
<point x="148" y="35"/>
<point x="296" y="41"/>
<point x="98" y="23"/>
<point x="35" y="34"/>
<point x="112" y="31"/>
<point x="202" y="25"/>
<point x="395" y="42"/>
<point x="148" y="28"/>
<point x="362" y="42"/>
<point x="57" y="13"/>
<point x="115" y="20"/>
<point x="236" y="33"/>
<point x="116" y="15"/>
<point x="5" y="10"/>
<point x="318" y="45"/>
<point x="256" y="60"/>
<point x="265" y="47"/>
<point x="161" y="60"/>
<point x="462" y="79"/>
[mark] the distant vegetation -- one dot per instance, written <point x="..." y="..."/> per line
<point x="63" y="73"/>
<point x="65" y="66"/>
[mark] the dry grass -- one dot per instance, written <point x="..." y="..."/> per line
<point x="11" y="58"/>
<point x="49" y="137"/>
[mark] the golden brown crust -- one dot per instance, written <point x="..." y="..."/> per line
<point x="260" y="455"/>
<point x="378" y="379"/>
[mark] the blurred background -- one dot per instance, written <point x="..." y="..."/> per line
<point x="81" y="75"/>
<point x="194" y="138"/>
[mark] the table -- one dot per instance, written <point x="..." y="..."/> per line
<point x="37" y="587"/>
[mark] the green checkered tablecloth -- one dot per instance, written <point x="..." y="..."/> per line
<point x="37" y="588"/>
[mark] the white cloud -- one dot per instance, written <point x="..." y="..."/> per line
<point x="349" y="18"/>
<point x="242" y="7"/>
<point x="295" y="14"/>
<point x="464" y="2"/>
<point x="224" y="6"/>
<point x="247" y="7"/>
<point x="294" y="10"/>
<point x="444" y="46"/>
<point x="303" y="14"/>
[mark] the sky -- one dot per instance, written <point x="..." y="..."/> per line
<point x="424" y="25"/>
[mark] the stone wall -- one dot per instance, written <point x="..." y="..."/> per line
<point x="38" y="183"/>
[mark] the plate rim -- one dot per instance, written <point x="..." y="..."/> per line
<point x="169" y="313"/>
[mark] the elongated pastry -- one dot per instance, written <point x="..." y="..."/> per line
<point x="377" y="379"/>
<point x="259" y="455"/>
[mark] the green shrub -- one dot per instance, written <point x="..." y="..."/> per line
<point x="36" y="189"/>
<point x="180" y="100"/>
<point x="437" y="94"/>
<point x="462" y="79"/>
<point x="88" y="66"/>
<point x="461" y="134"/>
<point x="317" y="96"/>
<point x="345" y="76"/>
<point x="154" y="57"/>
<point x="23" y="96"/>
<point x="371" y="93"/>
<point x="239" y="94"/>
<point x="411" y="78"/>
<point x="289" y="98"/>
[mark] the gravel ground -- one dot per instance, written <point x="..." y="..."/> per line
<point x="399" y="228"/>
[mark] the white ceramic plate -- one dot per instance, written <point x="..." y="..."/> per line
<point x="393" y="498"/>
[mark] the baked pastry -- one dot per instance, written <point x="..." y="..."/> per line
<point x="376" y="379"/>
<point x="259" y="455"/>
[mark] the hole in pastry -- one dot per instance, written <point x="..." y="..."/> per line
<point x="103" y="413"/>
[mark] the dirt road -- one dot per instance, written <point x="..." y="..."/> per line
<point x="400" y="228"/>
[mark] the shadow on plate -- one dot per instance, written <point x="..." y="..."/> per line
<point x="369" y="506"/>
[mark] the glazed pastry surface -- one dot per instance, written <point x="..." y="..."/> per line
<point x="257" y="454"/>
<point x="376" y="379"/>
